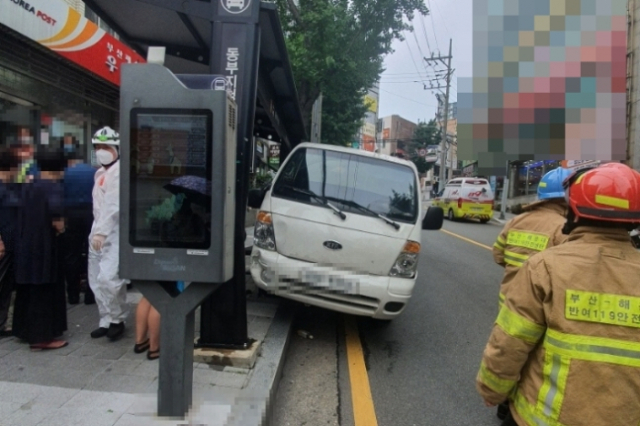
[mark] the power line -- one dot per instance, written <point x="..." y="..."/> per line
<point x="411" y="54"/>
<point x="433" y="26"/>
<point x="424" y="31"/>
<point x="409" y="99"/>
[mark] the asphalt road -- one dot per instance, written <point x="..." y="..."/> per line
<point x="421" y="366"/>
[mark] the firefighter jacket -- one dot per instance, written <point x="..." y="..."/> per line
<point x="528" y="234"/>
<point x="565" y="348"/>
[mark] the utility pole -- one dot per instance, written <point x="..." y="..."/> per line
<point x="443" y="154"/>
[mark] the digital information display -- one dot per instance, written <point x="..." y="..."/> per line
<point x="170" y="171"/>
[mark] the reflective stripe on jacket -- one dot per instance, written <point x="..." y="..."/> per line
<point x="528" y="234"/>
<point x="565" y="348"/>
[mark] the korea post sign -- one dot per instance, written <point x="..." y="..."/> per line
<point x="55" y="25"/>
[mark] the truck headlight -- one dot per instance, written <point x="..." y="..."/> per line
<point x="407" y="262"/>
<point x="263" y="234"/>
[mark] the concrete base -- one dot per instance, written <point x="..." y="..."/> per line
<point x="228" y="357"/>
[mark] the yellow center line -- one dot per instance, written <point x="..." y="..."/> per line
<point x="364" y="413"/>
<point x="466" y="239"/>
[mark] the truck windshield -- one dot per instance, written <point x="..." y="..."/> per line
<point x="349" y="181"/>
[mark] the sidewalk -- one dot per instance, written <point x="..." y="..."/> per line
<point x="507" y="217"/>
<point x="103" y="383"/>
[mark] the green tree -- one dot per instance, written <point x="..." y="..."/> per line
<point x="425" y="134"/>
<point x="337" y="48"/>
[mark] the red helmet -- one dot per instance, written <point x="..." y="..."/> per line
<point x="610" y="193"/>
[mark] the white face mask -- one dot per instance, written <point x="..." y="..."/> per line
<point x="105" y="157"/>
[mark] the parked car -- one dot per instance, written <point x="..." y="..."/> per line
<point x="468" y="198"/>
<point x="341" y="229"/>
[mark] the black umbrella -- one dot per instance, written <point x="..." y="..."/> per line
<point x="196" y="189"/>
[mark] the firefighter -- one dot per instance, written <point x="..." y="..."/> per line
<point x="540" y="227"/>
<point x="565" y="348"/>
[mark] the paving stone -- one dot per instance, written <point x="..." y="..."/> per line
<point x="90" y="350"/>
<point x="267" y="310"/>
<point x="12" y="344"/>
<point x="147" y="368"/>
<point x="82" y="416"/>
<point x="107" y="382"/>
<point x="258" y="329"/>
<point x="101" y="401"/>
<point x="48" y="377"/>
<point x="8" y="408"/>
<point x="123" y="366"/>
<point x="4" y="352"/>
<point x="28" y="415"/>
<point x="218" y="378"/>
<point x="19" y="393"/>
<point x="55" y="396"/>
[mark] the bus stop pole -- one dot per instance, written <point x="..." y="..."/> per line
<point x="223" y="321"/>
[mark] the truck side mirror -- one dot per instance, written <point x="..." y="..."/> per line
<point x="256" y="197"/>
<point x="433" y="219"/>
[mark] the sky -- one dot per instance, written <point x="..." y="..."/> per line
<point x="401" y="85"/>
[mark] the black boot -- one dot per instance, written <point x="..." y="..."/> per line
<point x="503" y="410"/>
<point x="115" y="330"/>
<point x="99" y="332"/>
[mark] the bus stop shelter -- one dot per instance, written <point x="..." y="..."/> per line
<point x="243" y="41"/>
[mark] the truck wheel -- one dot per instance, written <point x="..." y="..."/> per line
<point x="484" y="220"/>
<point x="450" y="215"/>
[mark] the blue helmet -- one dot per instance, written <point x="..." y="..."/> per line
<point x="550" y="185"/>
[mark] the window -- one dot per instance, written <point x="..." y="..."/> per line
<point x="350" y="182"/>
<point x="170" y="193"/>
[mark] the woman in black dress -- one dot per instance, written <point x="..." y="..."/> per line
<point x="40" y="313"/>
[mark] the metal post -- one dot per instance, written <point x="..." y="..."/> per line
<point x="223" y="321"/>
<point x="177" y="333"/>
<point x="443" y="158"/>
<point x="505" y="190"/>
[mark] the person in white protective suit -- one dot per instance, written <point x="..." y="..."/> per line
<point x="110" y="291"/>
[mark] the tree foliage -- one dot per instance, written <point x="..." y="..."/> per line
<point x="425" y="134"/>
<point x="337" y="48"/>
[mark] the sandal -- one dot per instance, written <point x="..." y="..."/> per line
<point x="151" y="355"/>
<point x="141" y="347"/>
<point x="54" y="344"/>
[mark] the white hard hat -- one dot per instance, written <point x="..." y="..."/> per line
<point x="106" y="136"/>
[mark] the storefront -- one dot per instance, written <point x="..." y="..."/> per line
<point x="267" y="155"/>
<point x="59" y="75"/>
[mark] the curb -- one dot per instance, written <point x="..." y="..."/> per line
<point x="257" y="405"/>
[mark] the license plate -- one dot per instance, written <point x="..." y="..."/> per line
<point x="330" y="282"/>
<point x="477" y="208"/>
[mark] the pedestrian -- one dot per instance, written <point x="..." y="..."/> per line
<point x="78" y="184"/>
<point x="23" y="149"/>
<point x="109" y="289"/>
<point x="8" y="168"/>
<point x="565" y="346"/>
<point x="40" y="314"/>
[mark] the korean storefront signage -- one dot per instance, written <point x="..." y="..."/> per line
<point x="372" y="103"/>
<point x="274" y="154"/>
<point x="369" y="129"/>
<point x="62" y="29"/>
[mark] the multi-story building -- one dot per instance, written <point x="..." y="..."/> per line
<point x="395" y="133"/>
<point x="366" y="138"/>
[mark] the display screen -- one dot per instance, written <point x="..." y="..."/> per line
<point x="170" y="178"/>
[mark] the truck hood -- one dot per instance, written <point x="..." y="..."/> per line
<point x="369" y="245"/>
